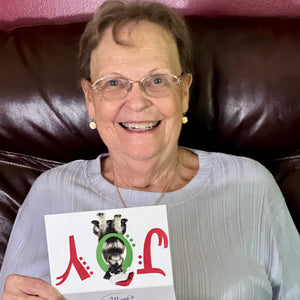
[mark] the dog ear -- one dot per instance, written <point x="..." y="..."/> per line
<point x="123" y="225"/>
<point x="96" y="227"/>
<point x="96" y="223"/>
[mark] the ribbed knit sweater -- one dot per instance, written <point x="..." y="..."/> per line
<point x="231" y="234"/>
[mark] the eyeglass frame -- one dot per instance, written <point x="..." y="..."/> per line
<point x="92" y="84"/>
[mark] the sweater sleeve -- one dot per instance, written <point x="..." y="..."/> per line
<point x="286" y="268"/>
<point x="26" y="252"/>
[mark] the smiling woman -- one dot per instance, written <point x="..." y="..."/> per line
<point x="141" y="122"/>
<point x="230" y="231"/>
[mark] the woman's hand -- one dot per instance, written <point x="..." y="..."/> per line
<point x="23" y="287"/>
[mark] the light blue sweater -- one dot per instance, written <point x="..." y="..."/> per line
<point x="231" y="234"/>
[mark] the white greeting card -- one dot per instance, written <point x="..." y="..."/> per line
<point x="118" y="254"/>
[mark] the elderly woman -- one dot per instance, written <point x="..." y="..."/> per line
<point x="230" y="231"/>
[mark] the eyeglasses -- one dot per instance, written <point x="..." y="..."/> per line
<point x="116" y="88"/>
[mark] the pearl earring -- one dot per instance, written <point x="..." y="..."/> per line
<point x="93" y="125"/>
<point x="184" y="120"/>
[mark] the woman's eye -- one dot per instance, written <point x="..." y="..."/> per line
<point x="157" y="80"/>
<point x="113" y="82"/>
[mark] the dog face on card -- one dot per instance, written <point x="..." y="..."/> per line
<point x="113" y="248"/>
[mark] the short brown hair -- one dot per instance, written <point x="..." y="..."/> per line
<point x="118" y="13"/>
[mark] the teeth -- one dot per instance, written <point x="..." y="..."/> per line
<point x="140" y="126"/>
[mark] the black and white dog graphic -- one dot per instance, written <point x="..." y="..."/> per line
<point x="113" y="248"/>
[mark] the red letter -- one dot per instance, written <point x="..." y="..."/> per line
<point x="82" y="272"/>
<point x="147" y="251"/>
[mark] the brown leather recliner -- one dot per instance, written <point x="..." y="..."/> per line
<point x="245" y="100"/>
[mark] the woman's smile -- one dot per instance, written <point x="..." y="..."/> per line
<point x="140" y="126"/>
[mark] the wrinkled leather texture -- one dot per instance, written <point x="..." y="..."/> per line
<point x="244" y="101"/>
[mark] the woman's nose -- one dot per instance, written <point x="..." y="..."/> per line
<point x="136" y="98"/>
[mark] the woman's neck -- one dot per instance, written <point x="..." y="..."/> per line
<point x="165" y="174"/>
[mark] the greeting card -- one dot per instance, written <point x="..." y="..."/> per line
<point x="118" y="254"/>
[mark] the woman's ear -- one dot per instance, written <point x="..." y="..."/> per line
<point x="85" y="85"/>
<point x="186" y="83"/>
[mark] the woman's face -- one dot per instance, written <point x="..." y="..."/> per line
<point x="138" y="126"/>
